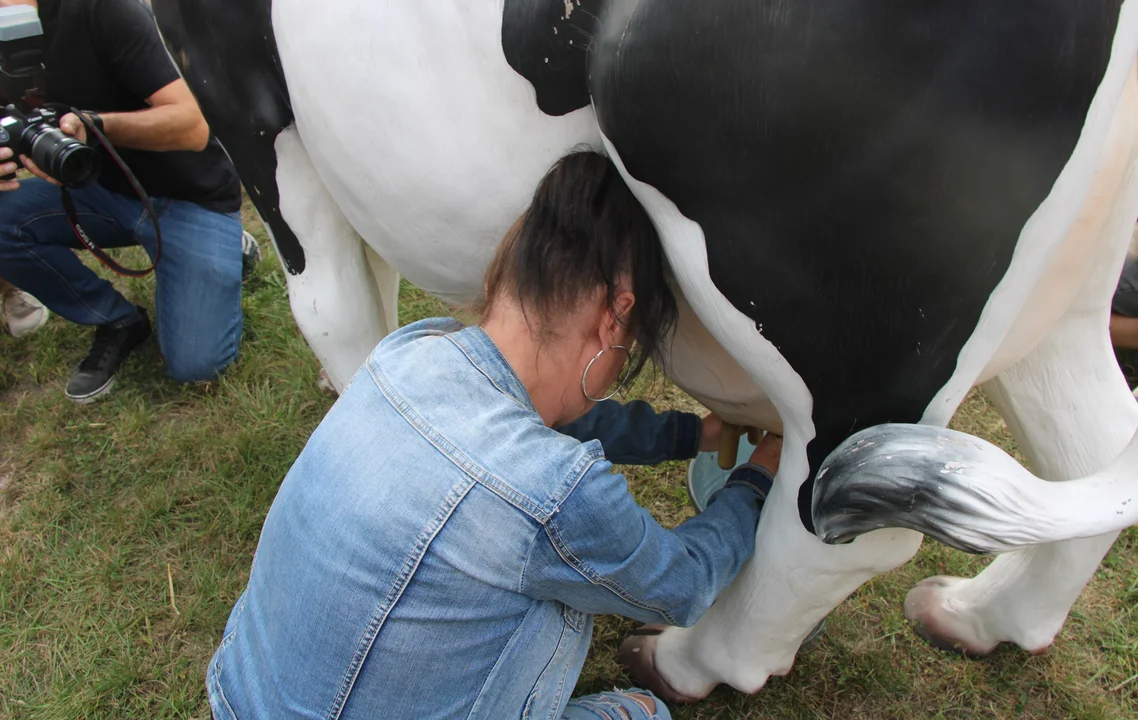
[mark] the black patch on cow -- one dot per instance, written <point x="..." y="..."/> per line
<point x="547" y="43"/>
<point x="228" y="54"/>
<point x="861" y="170"/>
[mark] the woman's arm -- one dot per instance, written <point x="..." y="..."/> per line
<point x="635" y="434"/>
<point x="603" y="553"/>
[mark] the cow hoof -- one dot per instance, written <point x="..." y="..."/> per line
<point x="324" y="382"/>
<point x="939" y="626"/>
<point x="637" y="655"/>
<point x="814" y="637"/>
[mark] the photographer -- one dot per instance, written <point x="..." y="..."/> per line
<point x="106" y="56"/>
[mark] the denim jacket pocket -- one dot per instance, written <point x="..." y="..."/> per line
<point x="550" y="690"/>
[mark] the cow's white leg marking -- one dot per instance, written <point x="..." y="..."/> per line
<point x="387" y="287"/>
<point x="342" y="307"/>
<point x="1073" y="414"/>
<point x="755" y="628"/>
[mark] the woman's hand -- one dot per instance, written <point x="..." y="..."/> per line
<point x="712" y="426"/>
<point x="768" y="452"/>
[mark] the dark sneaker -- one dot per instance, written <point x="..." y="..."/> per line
<point x="250" y="254"/>
<point x="95" y="375"/>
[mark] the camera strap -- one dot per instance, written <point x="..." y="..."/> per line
<point x="73" y="216"/>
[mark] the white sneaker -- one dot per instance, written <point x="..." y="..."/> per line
<point x="22" y="313"/>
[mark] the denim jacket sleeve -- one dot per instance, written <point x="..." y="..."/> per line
<point x="635" y="434"/>
<point x="602" y="553"/>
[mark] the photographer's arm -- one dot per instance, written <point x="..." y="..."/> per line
<point x="172" y="122"/>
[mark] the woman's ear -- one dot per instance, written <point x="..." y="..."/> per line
<point x="617" y="320"/>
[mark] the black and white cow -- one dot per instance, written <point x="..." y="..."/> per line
<point x="869" y="208"/>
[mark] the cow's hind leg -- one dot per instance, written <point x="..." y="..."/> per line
<point x="345" y="301"/>
<point x="1072" y="413"/>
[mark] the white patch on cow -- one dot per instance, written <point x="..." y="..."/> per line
<point x="568" y="9"/>
<point x="444" y="143"/>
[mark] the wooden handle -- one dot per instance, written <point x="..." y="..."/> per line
<point x="754" y="435"/>
<point x="729" y="445"/>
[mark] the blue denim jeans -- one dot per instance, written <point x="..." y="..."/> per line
<point x="198" y="298"/>
<point x="614" y="706"/>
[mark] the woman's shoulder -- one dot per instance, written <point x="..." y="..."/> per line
<point x="429" y="327"/>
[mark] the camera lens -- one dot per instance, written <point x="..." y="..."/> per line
<point x="76" y="164"/>
<point x="61" y="156"/>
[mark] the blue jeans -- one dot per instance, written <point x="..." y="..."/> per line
<point x="613" y="706"/>
<point x="198" y="297"/>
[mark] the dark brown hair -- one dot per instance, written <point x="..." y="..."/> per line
<point x="582" y="231"/>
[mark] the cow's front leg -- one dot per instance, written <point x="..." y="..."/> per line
<point x="345" y="300"/>
<point x="755" y="628"/>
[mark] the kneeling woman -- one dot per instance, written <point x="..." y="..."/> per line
<point x="438" y="550"/>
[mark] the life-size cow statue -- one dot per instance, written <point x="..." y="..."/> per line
<point x="868" y="207"/>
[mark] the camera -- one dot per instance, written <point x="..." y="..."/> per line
<point x="38" y="136"/>
<point x="35" y="132"/>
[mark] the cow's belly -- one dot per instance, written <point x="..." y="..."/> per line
<point x="1102" y="226"/>
<point x="433" y="147"/>
<point x="699" y="365"/>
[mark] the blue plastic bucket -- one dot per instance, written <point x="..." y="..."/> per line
<point x="705" y="476"/>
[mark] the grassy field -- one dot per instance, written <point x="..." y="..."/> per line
<point x="127" y="529"/>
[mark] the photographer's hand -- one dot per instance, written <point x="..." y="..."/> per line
<point x="34" y="170"/>
<point x="8" y="168"/>
<point x="71" y="125"/>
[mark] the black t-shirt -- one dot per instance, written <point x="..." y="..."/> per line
<point x="107" y="56"/>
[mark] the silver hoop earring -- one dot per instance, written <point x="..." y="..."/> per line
<point x="585" y="375"/>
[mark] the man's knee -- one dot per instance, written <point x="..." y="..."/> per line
<point x="194" y="364"/>
<point x="33" y="199"/>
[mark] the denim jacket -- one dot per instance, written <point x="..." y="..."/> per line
<point x="436" y="551"/>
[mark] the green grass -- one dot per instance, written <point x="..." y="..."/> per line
<point x="104" y="508"/>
